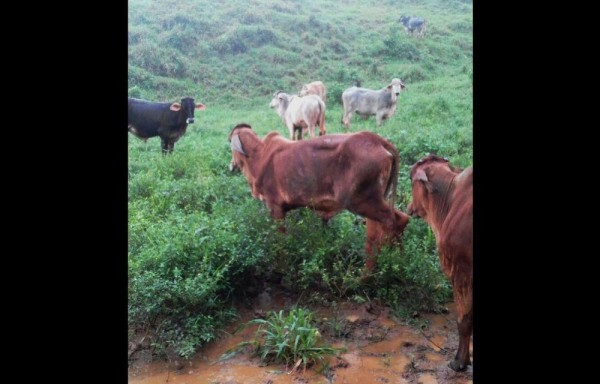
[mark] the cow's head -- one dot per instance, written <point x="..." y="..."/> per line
<point x="187" y="107"/>
<point x="421" y="174"/>
<point x="280" y="98"/>
<point x="238" y="154"/>
<point x="395" y="87"/>
<point x="304" y="91"/>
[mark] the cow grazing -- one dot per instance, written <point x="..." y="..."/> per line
<point x="443" y="197"/>
<point x="357" y="172"/>
<point x="168" y="121"/>
<point x="315" y="88"/>
<point x="412" y="24"/>
<point x="300" y="113"/>
<point x="366" y="102"/>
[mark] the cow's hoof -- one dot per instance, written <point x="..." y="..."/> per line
<point x="457" y="365"/>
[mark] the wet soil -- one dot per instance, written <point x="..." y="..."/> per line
<point x="379" y="349"/>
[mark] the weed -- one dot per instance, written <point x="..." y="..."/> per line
<point x="292" y="339"/>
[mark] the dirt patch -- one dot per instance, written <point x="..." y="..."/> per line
<point x="379" y="349"/>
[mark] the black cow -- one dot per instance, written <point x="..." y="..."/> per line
<point x="169" y="121"/>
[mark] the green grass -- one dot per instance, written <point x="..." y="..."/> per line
<point x="291" y="339"/>
<point x="243" y="50"/>
<point x="197" y="238"/>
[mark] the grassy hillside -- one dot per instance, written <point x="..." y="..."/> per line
<point x="197" y="239"/>
<point x="233" y="52"/>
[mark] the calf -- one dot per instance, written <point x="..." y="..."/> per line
<point x="357" y="172"/>
<point x="146" y="119"/>
<point x="443" y="197"/>
<point x="300" y="113"/>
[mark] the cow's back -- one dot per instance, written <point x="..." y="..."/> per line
<point x="361" y="99"/>
<point x="332" y="165"/>
<point x="305" y="108"/>
<point x="148" y="117"/>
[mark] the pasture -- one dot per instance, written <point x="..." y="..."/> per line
<point x="199" y="245"/>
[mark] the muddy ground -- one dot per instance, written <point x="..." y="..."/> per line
<point x="379" y="349"/>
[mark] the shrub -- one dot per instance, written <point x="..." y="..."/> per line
<point x="135" y="92"/>
<point x="412" y="279"/>
<point x="399" y="47"/>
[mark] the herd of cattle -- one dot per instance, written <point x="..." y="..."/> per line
<point x="357" y="172"/>
<point x="300" y="113"/>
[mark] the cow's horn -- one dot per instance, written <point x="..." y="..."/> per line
<point x="236" y="144"/>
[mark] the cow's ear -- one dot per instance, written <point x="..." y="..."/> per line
<point x="402" y="85"/>
<point x="175" y="107"/>
<point x="200" y="106"/>
<point x="236" y="144"/>
<point x="420" y="175"/>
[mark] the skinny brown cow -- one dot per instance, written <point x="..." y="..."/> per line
<point x="443" y="197"/>
<point x="357" y="172"/>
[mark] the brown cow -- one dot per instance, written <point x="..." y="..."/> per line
<point x="357" y="172"/>
<point x="314" y="88"/>
<point x="443" y="197"/>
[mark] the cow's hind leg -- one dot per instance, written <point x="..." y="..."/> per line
<point x="464" y="303"/>
<point x="379" y="235"/>
<point x="374" y="241"/>
<point x="346" y="119"/>
<point x="321" y="122"/>
<point x="380" y="220"/>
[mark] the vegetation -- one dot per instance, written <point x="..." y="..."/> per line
<point x="197" y="240"/>
<point x="291" y="340"/>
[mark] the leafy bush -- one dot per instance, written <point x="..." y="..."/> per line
<point x="398" y="46"/>
<point x="135" y="92"/>
<point x="412" y="279"/>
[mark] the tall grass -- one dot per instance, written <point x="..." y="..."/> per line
<point x="292" y="339"/>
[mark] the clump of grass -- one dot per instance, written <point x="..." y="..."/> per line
<point x="338" y="324"/>
<point x="291" y="339"/>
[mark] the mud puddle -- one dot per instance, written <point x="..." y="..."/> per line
<point x="379" y="349"/>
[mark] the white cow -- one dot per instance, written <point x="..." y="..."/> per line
<point x="367" y="102"/>
<point x="300" y="113"/>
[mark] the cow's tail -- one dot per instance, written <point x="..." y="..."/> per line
<point x="322" y="129"/>
<point x="392" y="185"/>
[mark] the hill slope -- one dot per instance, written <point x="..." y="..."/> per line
<point x="234" y="51"/>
